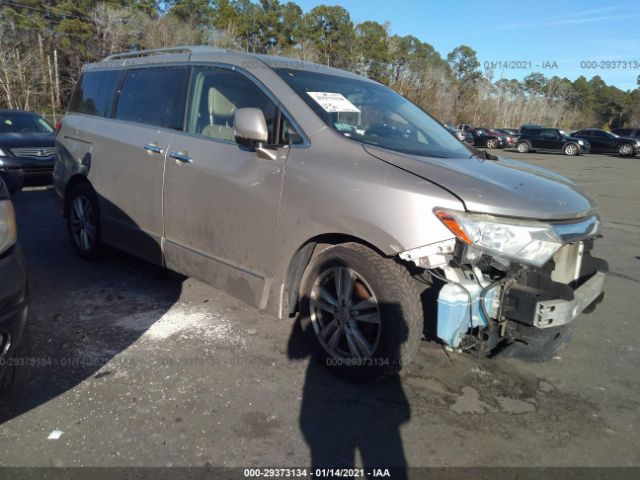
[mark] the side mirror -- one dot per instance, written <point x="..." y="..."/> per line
<point x="250" y="127"/>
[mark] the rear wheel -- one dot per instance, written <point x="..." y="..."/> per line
<point x="523" y="147"/>
<point x="83" y="223"/>
<point x="571" y="149"/>
<point x="625" y="150"/>
<point x="361" y="312"/>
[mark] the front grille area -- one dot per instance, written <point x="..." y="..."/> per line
<point x="33" y="171"/>
<point x="33" y="151"/>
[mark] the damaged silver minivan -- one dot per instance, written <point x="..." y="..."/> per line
<point x="314" y="193"/>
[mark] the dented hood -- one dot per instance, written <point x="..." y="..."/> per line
<point x="498" y="187"/>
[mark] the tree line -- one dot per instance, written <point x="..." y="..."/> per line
<point x="44" y="43"/>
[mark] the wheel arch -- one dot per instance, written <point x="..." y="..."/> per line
<point x="301" y="258"/>
<point x="75" y="180"/>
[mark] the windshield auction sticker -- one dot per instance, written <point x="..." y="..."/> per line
<point x="333" y="102"/>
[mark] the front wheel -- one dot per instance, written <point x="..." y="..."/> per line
<point x="361" y="312"/>
<point x="83" y="223"/>
<point x="492" y="143"/>
<point x="571" y="150"/>
<point x="625" y="150"/>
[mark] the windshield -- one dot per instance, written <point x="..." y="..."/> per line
<point x="12" y="122"/>
<point x="563" y="133"/>
<point x="373" y="114"/>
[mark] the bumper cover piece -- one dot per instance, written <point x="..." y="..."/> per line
<point x="553" y="313"/>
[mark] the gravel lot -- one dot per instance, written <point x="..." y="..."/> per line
<point x="142" y="367"/>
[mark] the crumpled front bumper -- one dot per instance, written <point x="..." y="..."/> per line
<point x="556" y="312"/>
<point x="554" y="295"/>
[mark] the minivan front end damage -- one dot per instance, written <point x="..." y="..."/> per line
<point x="511" y="285"/>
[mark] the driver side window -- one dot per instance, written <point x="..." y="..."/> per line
<point x="216" y="95"/>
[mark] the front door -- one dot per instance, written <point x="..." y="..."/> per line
<point x="221" y="199"/>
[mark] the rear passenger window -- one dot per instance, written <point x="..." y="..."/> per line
<point x="154" y="96"/>
<point x="94" y="93"/>
<point x="216" y="95"/>
<point x="533" y="132"/>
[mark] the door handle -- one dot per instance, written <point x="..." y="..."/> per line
<point x="150" y="147"/>
<point x="181" y="157"/>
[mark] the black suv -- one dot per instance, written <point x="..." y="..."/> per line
<point x="551" y="139"/>
<point x="607" y="142"/>
<point x="627" y="132"/>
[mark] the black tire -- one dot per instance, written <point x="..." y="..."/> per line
<point x="16" y="366"/>
<point x="523" y="147"/>
<point x="571" y="149"/>
<point x="397" y="305"/>
<point x="85" y="193"/>
<point x="625" y="150"/>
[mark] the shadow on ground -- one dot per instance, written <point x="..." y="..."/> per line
<point x="76" y="307"/>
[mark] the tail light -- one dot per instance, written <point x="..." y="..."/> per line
<point x="57" y="127"/>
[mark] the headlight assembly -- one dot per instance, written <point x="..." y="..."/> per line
<point x="525" y="241"/>
<point x="8" y="231"/>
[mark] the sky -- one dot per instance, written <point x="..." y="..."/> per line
<point x="554" y="37"/>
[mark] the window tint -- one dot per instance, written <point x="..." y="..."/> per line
<point x="623" y="131"/>
<point x="94" y="93"/>
<point x="216" y="95"/>
<point x="153" y="96"/>
<point x="532" y="131"/>
<point x="599" y="133"/>
<point x="548" y="134"/>
<point x="288" y="134"/>
<point x="18" y="122"/>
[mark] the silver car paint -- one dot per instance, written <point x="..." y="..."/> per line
<point x="498" y="187"/>
<point x="236" y="220"/>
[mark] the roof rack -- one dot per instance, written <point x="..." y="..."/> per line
<point x="160" y="51"/>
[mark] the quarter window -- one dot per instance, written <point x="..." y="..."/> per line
<point x="154" y="96"/>
<point x="94" y="93"/>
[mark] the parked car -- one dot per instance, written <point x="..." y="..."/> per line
<point x="627" y="132"/>
<point x="551" y="140"/>
<point x="484" y="138"/>
<point x="524" y="128"/>
<point x="13" y="289"/>
<point x="27" y="146"/>
<point x="606" y="142"/>
<point x="377" y="203"/>
<point x="461" y="135"/>
<point x="509" y="131"/>
<point x="511" y="137"/>
<point x="506" y="139"/>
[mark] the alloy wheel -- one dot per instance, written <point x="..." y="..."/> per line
<point x="345" y="314"/>
<point x="83" y="223"/>
<point x="571" y="150"/>
<point x="626" y="150"/>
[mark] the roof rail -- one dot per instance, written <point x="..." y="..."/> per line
<point x="148" y="53"/>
